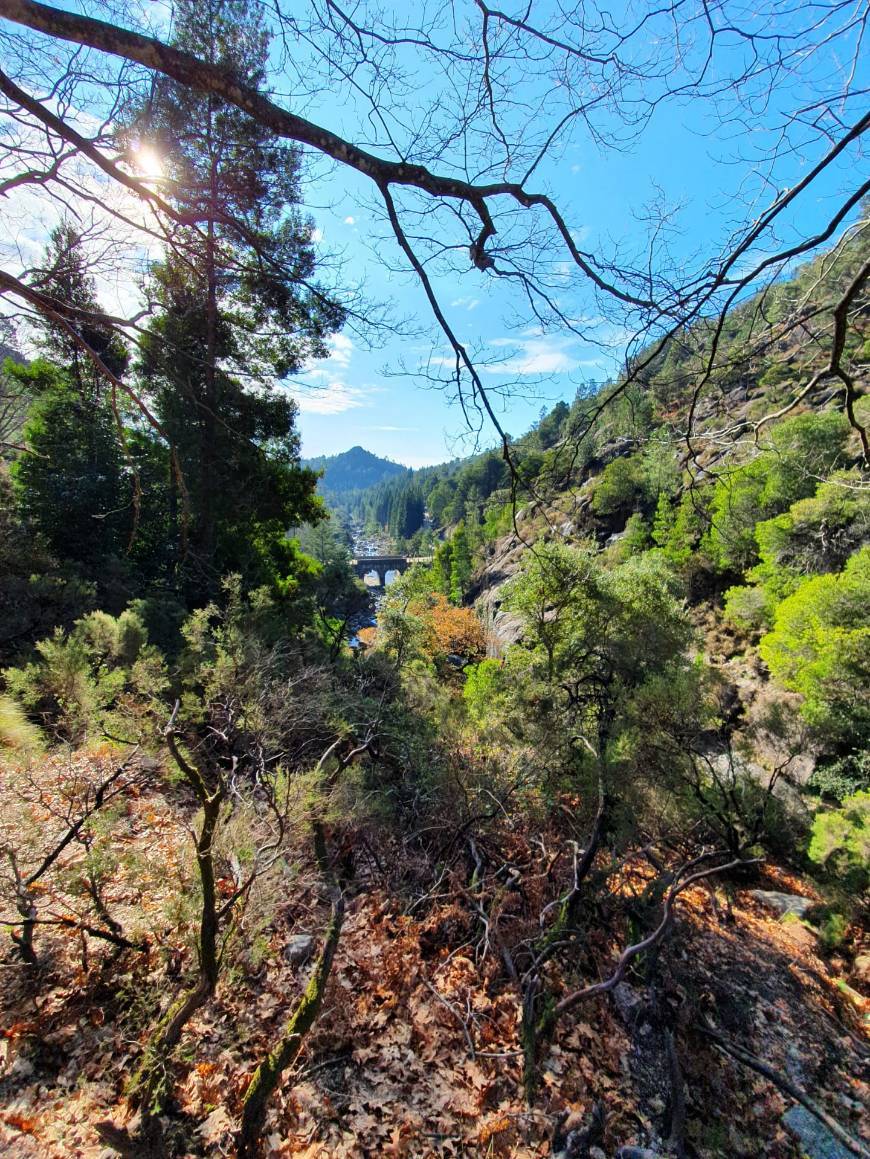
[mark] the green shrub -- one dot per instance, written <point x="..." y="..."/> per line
<point x="82" y="682"/>
<point x="748" y="608"/>
<point x="483" y="691"/>
<point x="620" y="486"/>
<point x="634" y="540"/>
<point x="818" y="534"/>
<point x="17" y="733"/>
<point x="842" y="777"/>
<point x="841" y="841"/>
<point x="797" y="452"/>
<point x="833" y="929"/>
<point x="679" y="530"/>
<point x="820" y="647"/>
<point x="498" y="521"/>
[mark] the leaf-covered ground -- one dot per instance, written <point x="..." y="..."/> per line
<point x="417" y="1051"/>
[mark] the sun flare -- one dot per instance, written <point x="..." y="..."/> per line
<point x="148" y="162"/>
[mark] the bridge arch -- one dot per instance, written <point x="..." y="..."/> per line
<point x="382" y="564"/>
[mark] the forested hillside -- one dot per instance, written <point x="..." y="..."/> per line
<point x="559" y="848"/>
<point x="342" y="476"/>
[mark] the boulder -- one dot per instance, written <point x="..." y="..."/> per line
<point x="298" y="949"/>
<point x="815" y="1139"/>
<point x="784" y="903"/>
<point x="860" y="972"/>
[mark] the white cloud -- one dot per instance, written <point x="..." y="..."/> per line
<point x="340" y="350"/>
<point x="317" y="235"/>
<point x="538" y="355"/>
<point x="337" y="361"/>
<point x="330" y="399"/>
<point x="350" y="221"/>
<point x="465" y="303"/>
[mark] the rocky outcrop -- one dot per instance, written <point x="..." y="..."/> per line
<point x="569" y="522"/>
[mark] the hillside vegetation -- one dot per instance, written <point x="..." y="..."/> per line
<point x="344" y="476"/>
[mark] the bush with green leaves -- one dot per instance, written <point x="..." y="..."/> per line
<point x="749" y="608"/>
<point x="843" y="776"/>
<point x="498" y="521"/>
<point x="841" y="841"/>
<point x="796" y="454"/>
<point x="820" y="647"/>
<point x="818" y="534"/>
<point x="679" y="528"/>
<point x="592" y="637"/>
<point x="484" y="690"/>
<point x="102" y="676"/>
<point x="17" y="733"/>
<point x="634" y="540"/>
<point x="620" y="486"/>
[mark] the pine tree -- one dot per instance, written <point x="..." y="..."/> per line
<point x="73" y="484"/>
<point x="66" y="280"/>
<point x="460" y="565"/>
<point x="239" y="310"/>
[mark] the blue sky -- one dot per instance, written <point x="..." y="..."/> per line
<point x="683" y="161"/>
<point x="373" y="394"/>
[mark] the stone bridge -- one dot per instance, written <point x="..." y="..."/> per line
<point x="384" y="563"/>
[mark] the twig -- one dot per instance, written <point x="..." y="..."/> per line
<point x="449" y="1006"/>
<point x="653" y="939"/>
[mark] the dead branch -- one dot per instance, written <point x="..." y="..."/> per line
<point x="787" y="1087"/>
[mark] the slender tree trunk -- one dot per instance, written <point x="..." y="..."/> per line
<point x="205" y="531"/>
<point x="209" y="418"/>
<point x="149" y="1086"/>
<point x="24" y="941"/>
<point x="268" y="1073"/>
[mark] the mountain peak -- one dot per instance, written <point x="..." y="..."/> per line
<point x="353" y="470"/>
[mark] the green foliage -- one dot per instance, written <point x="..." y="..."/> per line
<point x="66" y="277"/>
<point x="820" y="647"/>
<point x="635" y="539"/>
<point x="498" y="521"/>
<point x="17" y="733"/>
<point x="550" y="594"/>
<point x="841" y="840"/>
<point x="36" y="593"/>
<point x="72" y="484"/>
<point x="749" y="608"/>
<point x="797" y="452"/>
<point x="461" y="565"/>
<point x="620" y="486"/>
<point x="593" y="635"/>
<point x="101" y="676"/>
<point x="833" y="931"/>
<point x="484" y="690"/>
<point x="238" y="309"/>
<point x="678" y="530"/>
<point x="442" y="566"/>
<point x="843" y="776"/>
<point x="818" y="534"/>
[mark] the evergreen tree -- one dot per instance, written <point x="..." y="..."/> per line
<point x="73" y="484"/>
<point x="65" y="279"/>
<point x="460" y="565"/>
<point x="239" y="310"/>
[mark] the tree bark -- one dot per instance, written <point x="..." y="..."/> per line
<point x="149" y="1085"/>
<point x="268" y="1073"/>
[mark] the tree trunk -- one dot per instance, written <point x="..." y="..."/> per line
<point x="149" y="1086"/>
<point x="268" y="1073"/>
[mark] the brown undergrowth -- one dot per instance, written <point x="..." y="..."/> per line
<point x="418" y="1050"/>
